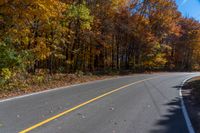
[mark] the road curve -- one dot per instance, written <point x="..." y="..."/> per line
<point x="142" y="103"/>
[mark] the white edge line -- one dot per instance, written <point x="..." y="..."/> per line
<point x="184" y="110"/>
<point x="60" y="88"/>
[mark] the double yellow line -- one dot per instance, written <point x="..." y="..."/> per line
<point x="79" y="106"/>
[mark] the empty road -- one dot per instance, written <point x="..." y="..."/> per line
<point x="141" y="103"/>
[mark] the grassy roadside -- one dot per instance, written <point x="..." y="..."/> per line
<point x="41" y="80"/>
<point x="36" y="83"/>
<point x="191" y="94"/>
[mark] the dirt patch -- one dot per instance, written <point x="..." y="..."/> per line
<point x="191" y="94"/>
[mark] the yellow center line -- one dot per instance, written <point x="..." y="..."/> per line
<point x="79" y="106"/>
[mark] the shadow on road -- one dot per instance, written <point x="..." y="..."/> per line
<point x="173" y="121"/>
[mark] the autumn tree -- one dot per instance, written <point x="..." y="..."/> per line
<point x="187" y="47"/>
<point x="96" y="35"/>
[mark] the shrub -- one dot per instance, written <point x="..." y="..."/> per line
<point x="11" y="64"/>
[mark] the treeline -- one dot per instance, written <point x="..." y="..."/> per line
<point x="96" y="35"/>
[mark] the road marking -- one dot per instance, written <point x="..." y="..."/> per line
<point x="65" y="87"/>
<point x="79" y="106"/>
<point x="184" y="110"/>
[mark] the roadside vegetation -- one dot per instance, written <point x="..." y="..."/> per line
<point x="40" y="39"/>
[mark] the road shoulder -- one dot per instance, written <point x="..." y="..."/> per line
<point x="190" y="92"/>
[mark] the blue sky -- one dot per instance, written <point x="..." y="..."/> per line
<point x="189" y="8"/>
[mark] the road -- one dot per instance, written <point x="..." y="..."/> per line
<point x="142" y="103"/>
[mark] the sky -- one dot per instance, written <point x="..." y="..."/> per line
<point x="189" y="8"/>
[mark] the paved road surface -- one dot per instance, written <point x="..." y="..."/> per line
<point x="143" y="103"/>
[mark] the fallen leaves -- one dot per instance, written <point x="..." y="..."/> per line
<point x="50" y="82"/>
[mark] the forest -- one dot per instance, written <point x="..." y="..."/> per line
<point x="70" y="36"/>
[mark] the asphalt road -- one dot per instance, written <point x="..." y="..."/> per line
<point x="142" y="103"/>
